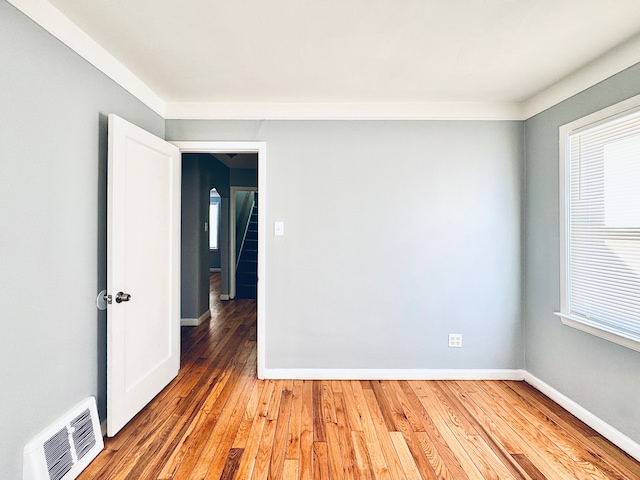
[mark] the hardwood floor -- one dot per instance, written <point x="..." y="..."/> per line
<point x="217" y="421"/>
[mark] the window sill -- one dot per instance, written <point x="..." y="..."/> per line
<point x="599" y="331"/>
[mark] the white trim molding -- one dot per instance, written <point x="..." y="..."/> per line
<point x="345" y="111"/>
<point x="194" y="322"/>
<point x="391" y="374"/>
<point x="261" y="149"/>
<point x="605" y="330"/>
<point x="603" y="428"/>
<point x="599" y="331"/>
<point x="58" y="25"/>
<point x="614" y="61"/>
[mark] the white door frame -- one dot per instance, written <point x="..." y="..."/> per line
<point x="261" y="149"/>
<point x="232" y="236"/>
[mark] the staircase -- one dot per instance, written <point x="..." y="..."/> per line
<point x="247" y="265"/>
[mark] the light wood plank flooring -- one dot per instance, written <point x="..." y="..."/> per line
<point x="217" y="421"/>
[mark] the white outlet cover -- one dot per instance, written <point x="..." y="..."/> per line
<point x="278" y="229"/>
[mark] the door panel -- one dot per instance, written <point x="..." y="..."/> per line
<point x="143" y="253"/>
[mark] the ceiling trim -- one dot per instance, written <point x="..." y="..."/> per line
<point x="345" y="111"/>
<point x="607" y="65"/>
<point x="58" y="25"/>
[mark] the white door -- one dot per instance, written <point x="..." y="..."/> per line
<point x="143" y="269"/>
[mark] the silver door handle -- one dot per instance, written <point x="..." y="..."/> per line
<point x="122" y="297"/>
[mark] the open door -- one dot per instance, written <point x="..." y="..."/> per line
<point x="143" y="269"/>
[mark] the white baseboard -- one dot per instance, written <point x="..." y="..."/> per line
<point x="194" y="322"/>
<point x="603" y="428"/>
<point x="224" y="296"/>
<point x="390" y="374"/>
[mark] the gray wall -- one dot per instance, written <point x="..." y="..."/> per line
<point x="362" y="281"/>
<point x="204" y="189"/>
<point x="194" y="298"/>
<point x="53" y="134"/>
<point x="244" y="177"/>
<point x="599" y="375"/>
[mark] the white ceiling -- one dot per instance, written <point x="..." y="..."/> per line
<point x="354" y="51"/>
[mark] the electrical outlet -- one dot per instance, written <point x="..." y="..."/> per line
<point x="455" y="340"/>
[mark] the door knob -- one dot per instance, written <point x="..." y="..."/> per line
<point x="122" y="297"/>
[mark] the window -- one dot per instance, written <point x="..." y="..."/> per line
<point x="214" y="218"/>
<point x="600" y="223"/>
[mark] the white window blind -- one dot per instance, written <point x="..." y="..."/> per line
<point x="602" y="227"/>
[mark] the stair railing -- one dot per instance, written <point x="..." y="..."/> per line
<point x="243" y="216"/>
<point x="244" y="234"/>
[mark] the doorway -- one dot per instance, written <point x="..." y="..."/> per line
<point x="258" y="148"/>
